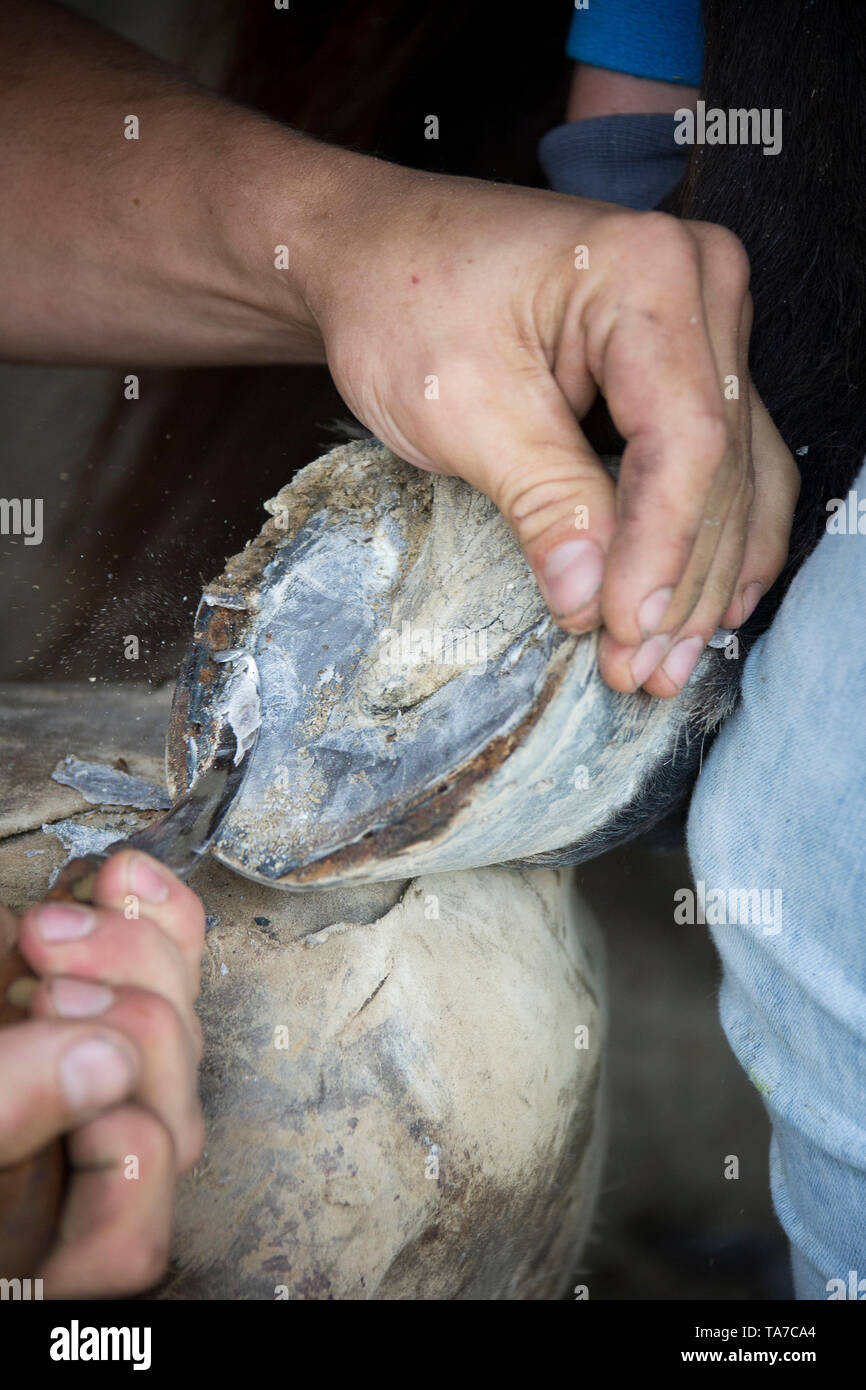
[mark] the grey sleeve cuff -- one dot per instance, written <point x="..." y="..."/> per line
<point x="629" y="159"/>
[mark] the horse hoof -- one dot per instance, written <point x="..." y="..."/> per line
<point x="420" y="710"/>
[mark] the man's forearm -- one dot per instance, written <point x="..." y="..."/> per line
<point x="162" y="248"/>
<point x="605" y="92"/>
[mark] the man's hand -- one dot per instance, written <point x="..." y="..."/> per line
<point x="470" y="326"/>
<point x="110" y="1059"/>
<point x="466" y="327"/>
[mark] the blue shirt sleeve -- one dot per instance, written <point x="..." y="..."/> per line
<point x="629" y="159"/>
<point x="661" y="39"/>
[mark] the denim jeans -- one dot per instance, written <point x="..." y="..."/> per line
<point x="781" y="805"/>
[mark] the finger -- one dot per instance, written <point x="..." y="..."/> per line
<point x="681" y="466"/>
<point x="729" y="332"/>
<point x="686" y="645"/>
<point x="132" y="881"/>
<point x="116" y="1227"/>
<point x="754" y="548"/>
<point x="57" y="1075"/>
<point x="777" y="487"/>
<point x="525" y="450"/>
<point x="97" y="944"/>
<point x="663" y="663"/>
<point x="169" y="1053"/>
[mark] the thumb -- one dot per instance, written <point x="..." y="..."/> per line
<point x="532" y="459"/>
<point x="55" y="1076"/>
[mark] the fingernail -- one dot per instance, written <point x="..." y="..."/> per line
<point x="653" y="609"/>
<point x="683" y="659"/>
<point x="647" y="658"/>
<point x="80" y="998"/>
<point x="94" y="1073"/>
<point x="64" y="921"/>
<point x="147" y="881"/>
<point x="750" y="599"/>
<point x="572" y="574"/>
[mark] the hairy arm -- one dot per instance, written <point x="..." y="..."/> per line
<point x="605" y="92"/>
<point x="520" y="305"/>
<point x="159" y="249"/>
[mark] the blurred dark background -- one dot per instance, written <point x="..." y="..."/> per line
<point x="670" y="1225"/>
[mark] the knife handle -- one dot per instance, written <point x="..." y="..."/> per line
<point x="32" y="1191"/>
<point x="74" y="883"/>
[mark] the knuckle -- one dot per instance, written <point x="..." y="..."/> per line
<point x="127" y="1129"/>
<point x="146" y="1136"/>
<point x="150" y="1015"/>
<point x="668" y="239"/>
<point x="530" y="502"/>
<point x="709" y="436"/>
<point x="726" y="256"/>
